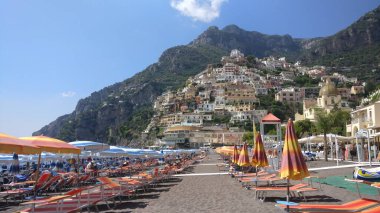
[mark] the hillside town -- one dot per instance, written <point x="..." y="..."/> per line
<point x="217" y="102"/>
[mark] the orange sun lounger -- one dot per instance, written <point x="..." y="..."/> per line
<point x="359" y="205"/>
<point x="301" y="188"/>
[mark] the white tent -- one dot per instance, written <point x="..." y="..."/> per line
<point x="321" y="138"/>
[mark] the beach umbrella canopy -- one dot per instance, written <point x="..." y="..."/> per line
<point x="90" y="146"/>
<point x="243" y="157"/>
<point x="321" y="138"/>
<point x="293" y="166"/>
<point x="259" y="158"/>
<point x="227" y="150"/>
<point x="10" y="145"/>
<point x="235" y="156"/>
<point x="53" y="145"/>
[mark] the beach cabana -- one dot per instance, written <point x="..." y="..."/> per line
<point x="293" y="166"/>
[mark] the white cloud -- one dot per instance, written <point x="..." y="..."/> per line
<point x="68" y="94"/>
<point x="199" y="10"/>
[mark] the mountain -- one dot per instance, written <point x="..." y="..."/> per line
<point x="357" y="44"/>
<point x="249" y="42"/>
<point x="120" y="112"/>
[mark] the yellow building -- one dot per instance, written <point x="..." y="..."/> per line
<point x="367" y="117"/>
<point x="328" y="98"/>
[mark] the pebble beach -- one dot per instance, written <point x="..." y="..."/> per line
<point x="204" y="188"/>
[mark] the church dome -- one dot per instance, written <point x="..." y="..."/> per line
<point x="328" y="89"/>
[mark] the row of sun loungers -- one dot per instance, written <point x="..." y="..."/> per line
<point x="85" y="197"/>
<point x="45" y="184"/>
<point x="251" y="180"/>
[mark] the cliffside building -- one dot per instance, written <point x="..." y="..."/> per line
<point x="328" y="99"/>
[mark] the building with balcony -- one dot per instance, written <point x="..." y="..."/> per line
<point x="367" y="117"/>
<point x="290" y="95"/>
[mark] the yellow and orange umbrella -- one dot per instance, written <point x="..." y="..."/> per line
<point x="243" y="157"/>
<point x="259" y="158"/>
<point x="10" y="145"/>
<point x="293" y="166"/>
<point x="48" y="144"/>
<point x="225" y="150"/>
<point x="235" y="156"/>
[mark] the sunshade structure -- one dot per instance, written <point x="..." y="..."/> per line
<point x="235" y="156"/>
<point x="259" y="158"/>
<point x="53" y="145"/>
<point x="293" y="166"/>
<point x="243" y="157"/>
<point x="114" y="151"/>
<point x="151" y="153"/>
<point x="321" y="138"/>
<point x="10" y="145"/>
<point x="90" y="146"/>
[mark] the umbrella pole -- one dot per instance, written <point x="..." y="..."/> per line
<point x="78" y="170"/>
<point x="37" y="174"/>
<point x="256" y="176"/>
<point x="287" y="194"/>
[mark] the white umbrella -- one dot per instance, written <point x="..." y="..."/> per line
<point x="321" y="138"/>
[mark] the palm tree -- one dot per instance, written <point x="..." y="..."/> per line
<point x="325" y="122"/>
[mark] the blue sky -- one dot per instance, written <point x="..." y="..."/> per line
<point x="53" y="53"/>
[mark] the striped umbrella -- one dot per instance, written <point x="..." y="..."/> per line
<point x="259" y="158"/>
<point x="293" y="166"/>
<point x="235" y="156"/>
<point x="243" y="157"/>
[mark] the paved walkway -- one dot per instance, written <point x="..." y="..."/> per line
<point x="203" y="188"/>
<point x="207" y="193"/>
